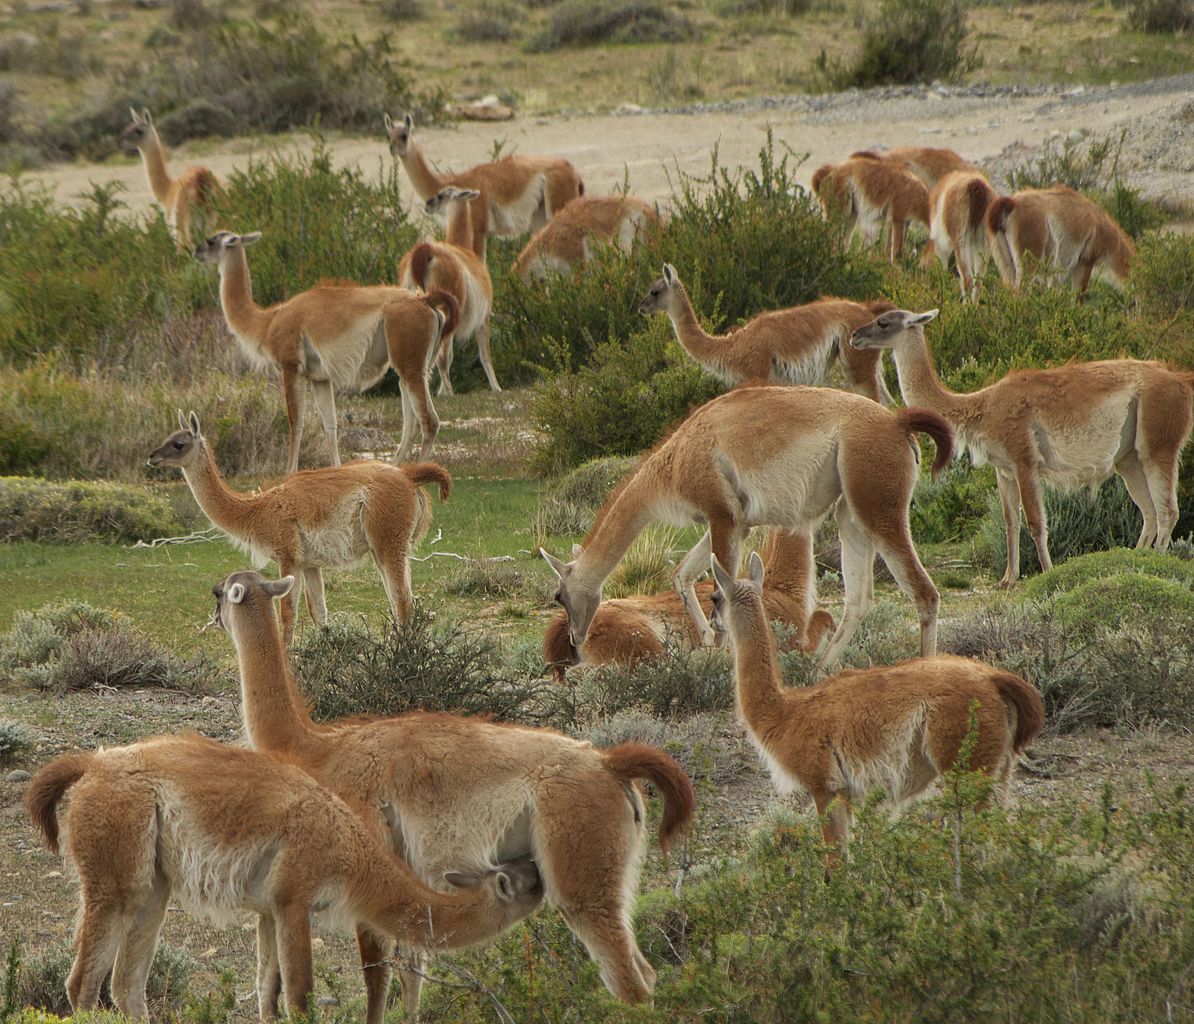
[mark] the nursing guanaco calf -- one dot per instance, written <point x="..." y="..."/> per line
<point x="461" y="794"/>
<point x="770" y="456"/>
<point x="784" y="346"/>
<point x="630" y="630"/>
<point x="1057" y="231"/>
<point x="873" y="193"/>
<point x="225" y="829"/>
<point x="189" y="200"/>
<point x="517" y="193"/>
<point x="1071" y="426"/>
<point x="452" y="266"/>
<point x="317" y="519"/>
<point x="335" y="335"/>
<point x="929" y="164"/>
<point x="563" y="242"/>
<point x="894" y="727"/>
<point x="958" y="206"/>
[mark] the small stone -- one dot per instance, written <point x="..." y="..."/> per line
<point x="628" y="108"/>
<point x="18" y="775"/>
<point x="328" y="1001"/>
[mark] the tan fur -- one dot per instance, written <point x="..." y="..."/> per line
<point x="873" y="193"/>
<point x="768" y="456"/>
<point x="451" y="265"/>
<point x="460" y="793"/>
<point x="189" y="200"/>
<point x="958" y="204"/>
<point x="517" y="193"/>
<point x="564" y="242"/>
<point x="928" y="164"/>
<point x="334" y="336"/>
<point x="316" y="519"/>
<point x="1072" y="426"/>
<point x="1060" y="232"/>
<point x="783" y="346"/>
<point x="895" y="727"/>
<point x="630" y="630"/>
<point x="223" y="829"/>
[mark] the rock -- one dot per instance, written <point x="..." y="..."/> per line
<point x="18" y="775"/>
<point x="628" y="108"/>
<point x="328" y="1001"/>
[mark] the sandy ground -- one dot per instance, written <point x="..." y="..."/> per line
<point x="994" y="127"/>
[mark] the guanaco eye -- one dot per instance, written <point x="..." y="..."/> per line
<point x="178" y="445"/>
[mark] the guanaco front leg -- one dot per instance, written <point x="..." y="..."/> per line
<point x="293" y="387"/>
<point x="690" y="569"/>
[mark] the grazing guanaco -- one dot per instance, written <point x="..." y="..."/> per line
<point x="335" y="335"/>
<point x="958" y="204"/>
<point x="1059" y="231"/>
<point x="873" y="193"/>
<point x="187" y="201"/>
<point x="1071" y="426"/>
<point x="518" y="193"/>
<point x="225" y="829"/>
<point x="316" y="519"/>
<point x="928" y="164"/>
<point x="461" y="794"/>
<point x="452" y="266"/>
<point x="630" y="630"/>
<point x="563" y="242"/>
<point x="894" y="727"/>
<point x="770" y="456"/>
<point x="784" y="346"/>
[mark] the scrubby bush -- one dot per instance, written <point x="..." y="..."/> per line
<point x="80" y="512"/>
<point x="1103" y="564"/>
<point x="584" y="23"/>
<point x="483" y="577"/>
<point x="17" y="740"/>
<point x="490" y="23"/>
<point x="568" y="504"/>
<point x="1163" y="275"/>
<point x="951" y="507"/>
<point x="682" y="682"/>
<point x="1161" y="15"/>
<point x="1122" y="599"/>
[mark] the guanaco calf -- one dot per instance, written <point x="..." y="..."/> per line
<point x="873" y="193"/>
<point x="316" y="519"/>
<point x="563" y="242"/>
<point x="958" y="204"/>
<point x="187" y="201"/>
<point x="769" y="456"/>
<point x="452" y="266"/>
<point x="784" y="346"/>
<point x="461" y="794"/>
<point x="225" y="829"/>
<point x="335" y="335"/>
<point x="1072" y="426"/>
<point x="518" y="193"/>
<point x="930" y="165"/>
<point x="629" y="630"/>
<point x="895" y="727"/>
<point x="1058" y="231"/>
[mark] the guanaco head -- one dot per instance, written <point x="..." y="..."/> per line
<point x="442" y="201"/>
<point x="139" y="130"/>
<point x="402" y="136"/>
<point x="659" y="298"/>
<point x="890" y="328"/>
<point x="738" y="604"/>
<point x="221" y="244"/>
<point x="575" y="595"/>
<point x="516" y="882"/>
<point x="181" y="448"/>
<point x="249" y="592"/>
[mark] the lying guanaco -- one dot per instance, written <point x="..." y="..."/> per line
<point x="564" y="242"/>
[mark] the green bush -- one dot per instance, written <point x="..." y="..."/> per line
<point x="567" y="505"/>
<point x="951" y="507"/>
<point x="584" y="23"/>
<point x="80" y="513"/>
<point x="1161" y="15"/>
<point x="1103" y="564"/>
<point x="1122" y="599"/>
<point x="1163" y="276"/>
<point x="682" y="682"/>
<point x="490" y="23"/>
<point x="480" y="577"/>
<point x="17" y="741"/>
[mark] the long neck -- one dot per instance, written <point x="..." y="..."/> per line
<point x="244" y="316"/>
<point x="756" y="669"/>
<point x="155" y="166"/>
<point x="222" y="505"/>
<point x="460" y="226"/>
<point x="919" y="383"/>
<point x="789" y="563"/>
<point x="425" y="181"/>
<point x="703" y="347"/>
<point x="622" y="519"/>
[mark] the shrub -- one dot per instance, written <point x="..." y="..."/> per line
<point x="584" y="23"/>
<point x="951" y="507"/>
<point x="1161" y="15"/>
<point x="567" y="505"/>
<point x="491" y="23"/>
<point x="909" y="41"/>
<point x="483" y="577"/>
<point x="402" y="10"/>
<point x="17" y="741"/>
<point x="1163" y="275"/>
<point x="1104" y="564"/>
<point x="682" y="682"/>
<point x="1125" y="598"/>
<point x="80" y="513"/>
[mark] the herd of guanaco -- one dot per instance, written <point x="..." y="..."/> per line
<point x="437" y="830"/>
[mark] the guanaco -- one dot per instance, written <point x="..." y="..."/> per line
<point x="1059" y="231"/>
<point x="335" y="335"/>
<point x="928" y="164"/>
<point x="784" y="346"/>
<point x="772" y="456"/>
<point x="460" y="793"/>
<point x="225" y="829"/>
<point x="316" y="519"/>
<point x="894" y="727"/>
<point x="630" y="630"/>
<point x="563" y="242"/>
<point x="958" y="204"/>
<point x="452" y="266"/>
<point x="188" y="201"/>
<point x="1071" y="426"/>
<point x="873" y="193"/>
<point x="518" y="193"/>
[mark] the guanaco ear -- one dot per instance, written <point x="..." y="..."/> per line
<point x="756" y="570"/>
<point x="669" y="274"/>
<point x="145" y="115"/>
<point x="236" y="593"/>
<point x="467" y="193"/>
<point x="389" y="123"/>
<point x="460" y="880"/>
<point x="724" y="579"/>
<point x="505" y="887"/>
<point x="558" y="567"/>
<point x="409" y="122"/>
<point x="923" y="318"/>
<point x="278" y="588"/>
<point x="182" y="421"/>
<point x="577" y="551"/>
<point x="193" y="424"/>
<point x="136" y="116"/>
<point x="251" y="238"/>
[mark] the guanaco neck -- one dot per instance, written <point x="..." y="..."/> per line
<point x="919" y="383"/>
<point x="789" y="563"/>
<point x="425" y="181"/>
<point x="244" y="316"/>
<point x="617" y="525"/>
<point x="460" y="226"/>
<point x="702" y="346"/>
<point x="160" y="182"/>
<point x="756" y="671"/>
<point x="222" y="505"/>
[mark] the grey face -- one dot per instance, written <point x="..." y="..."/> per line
<point x="888" y="328"/>
<point x="656" y="300"/>
<point x="174" y="451"/>
<point x="400" y="136"/>
<point x="132" y="137"/>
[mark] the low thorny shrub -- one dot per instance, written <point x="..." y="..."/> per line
<point x="593" y="22"/>
<point x="80" y="512"/>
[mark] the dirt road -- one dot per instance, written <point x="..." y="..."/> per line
<point x="996" y="127"/>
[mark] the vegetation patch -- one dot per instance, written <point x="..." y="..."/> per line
<point x="79" y="512"/>
<point x="17" y="741"/>
<point x="581" y="23"/>
<point x="569" y="504"/>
